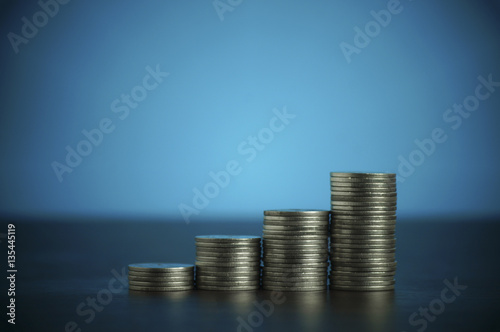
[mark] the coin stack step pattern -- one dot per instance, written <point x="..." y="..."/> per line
<point x="362" y="243"/>
<point x="295" y="250"/>
<point x="160" y="277"/>
<point x="228" y="262"/>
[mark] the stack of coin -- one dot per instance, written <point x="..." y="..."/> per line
<point x="362" y="232"/>
<point x="160" y="277"/>
<point x="228" y="262"/>
<point x="295" y="249"/>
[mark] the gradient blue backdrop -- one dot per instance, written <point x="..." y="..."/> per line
<point x="226" y="77"/>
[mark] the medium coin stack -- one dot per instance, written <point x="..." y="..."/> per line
<point x="228" y="262"/>
<point x="160" y="277"/>
<point x="295" y="250"/>
<point x="362" y="233"/>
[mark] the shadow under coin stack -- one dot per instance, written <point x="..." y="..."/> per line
<point x="160" y="277"/>
<point x="295" y="249"/>
<point x="362" y="232"/>
<point x="228" y="262"/>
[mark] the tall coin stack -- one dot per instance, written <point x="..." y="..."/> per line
<point x="362" y="233"/>
<point x="295" y="250"/>
<point x="160" y="277"/>
<point x="228" y="262"/>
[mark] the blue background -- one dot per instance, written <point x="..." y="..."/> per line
<point x="225" y="78"/>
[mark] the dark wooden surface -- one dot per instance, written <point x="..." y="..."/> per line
<point x="62" y="265"/>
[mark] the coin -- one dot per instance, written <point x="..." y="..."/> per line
<point x="228" y="238"/>
<point x="159" y="283"/>
<point x="160" y="289"/>
<point x="228" y="288"/>
<point x="161" y="267"/>
<point x="297" y="212"/>
<point x="160" y="279"/>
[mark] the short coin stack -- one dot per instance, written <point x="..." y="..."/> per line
<point x="228" y="262"/>
<point x="160" y="277"/>
<point x="362" y="232"/>
<point x="295" y="249"/>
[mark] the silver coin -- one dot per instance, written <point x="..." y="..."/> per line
<point x="321" y="246"/>
<point x="224" y="255"/>
<point x="159" y="283"/>
<point x="296" y="242"/>
<point x="238" y="246"/>
<point x="294" y="289"/>
<point x="228" y="238"/>
<point x="363" y="232"/>
<point x="362" y="191"/>
<point x="228" y="278"/>
<point x="205" y="282"/>
<point x="160" y="278"/>
<point x="298" y="227"/>
<point x="222" y="263"/>
<point x="217" y="260"/>
<point x="161" y="267"/>
<point x="296" y="219"/>
<point x="294" y="274"/>
<point x="363" y="208"/>
<point x="337" y="179"/>
<point x="361" y="247"/>
<point x="370" y="237"/>
<point x="363" y="175"/>
<point x="160" y="289"/>
<point x="321" y="255"/>
<point x="343" y="227"/>
<point x="294" y="260"/>
<point x="368" y="265"/>
<point x="229" y="274"/>
<point x="388" y="250"/>
<point x="371" y="213"/>
<point x="227" y="288"/>
<point x="343" y="277"/>
<point x="322" y="223"/>
<point x="363" y="219"/>
<point x="294" y="265"/>
<point x="370" y="274"/>
<point x="363" y="184"/>
<point x="363" y="283"/>
<point x="298" y="238"/>
<point x="267" y="232"/>
<point x="363" y="199"/>
<point x="362" y="288"/>
<point x="367" y="256"/>
<point x="296" y="278"/>
<point x="297" y="252"/>
<point x="297" y="212"/>
<point x="352" y="202"/>
<point x="235" y="269"/>
<point x="227" y="251"/>
<point x="283" y="283"/>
